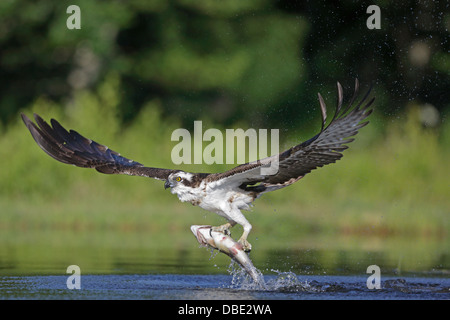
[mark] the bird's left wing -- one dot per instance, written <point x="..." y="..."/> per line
<point x="324" y="148"/>
<point x="72" y="148"/>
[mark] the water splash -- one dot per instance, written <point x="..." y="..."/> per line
<point x="213" y="253"/>
<point x="241" y="279"/>
<point x="285" y="282"/>
<point x="290" y="283"/>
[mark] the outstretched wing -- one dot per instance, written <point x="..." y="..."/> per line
<point x="72" y="148"/>
<point x="324" y="148"/>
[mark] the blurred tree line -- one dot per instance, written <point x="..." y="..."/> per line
<point x="260" y="61"/>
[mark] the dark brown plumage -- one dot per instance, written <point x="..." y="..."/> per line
<point x="72" y="148"/>
<point x="324" y="148"/>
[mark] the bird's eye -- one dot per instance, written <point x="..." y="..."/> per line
<point x="178" y="179"/>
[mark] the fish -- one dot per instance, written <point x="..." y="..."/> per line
<point x="222" y="242"/>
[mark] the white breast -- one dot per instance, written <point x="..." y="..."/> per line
<point x="217" y="199"/>
<point x="222" y="200"/>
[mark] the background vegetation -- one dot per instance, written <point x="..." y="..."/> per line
<point x="137" y="70"/>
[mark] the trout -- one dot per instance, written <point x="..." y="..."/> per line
<point x="207" y="237"/>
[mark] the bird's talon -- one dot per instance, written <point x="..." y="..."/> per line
<point x="246" y="246"/>
<point x="225" y="229"/>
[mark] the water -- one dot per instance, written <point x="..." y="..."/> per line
<point x="282" y="285"/>
<point x="127" y="266"/>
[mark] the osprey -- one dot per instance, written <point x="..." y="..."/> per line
<point x="225" y="193"/>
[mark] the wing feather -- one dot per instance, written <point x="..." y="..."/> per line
<point x="70" y="147"/>
<point x="322" y="149"/>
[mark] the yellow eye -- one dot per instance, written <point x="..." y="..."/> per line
<point x="178" y="179"/>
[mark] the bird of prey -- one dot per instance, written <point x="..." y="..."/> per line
<point x="225" y="193"/>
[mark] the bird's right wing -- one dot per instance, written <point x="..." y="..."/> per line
<point x="72" y="148"/>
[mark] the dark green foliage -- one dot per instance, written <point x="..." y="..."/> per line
<point x="260" y="62"/>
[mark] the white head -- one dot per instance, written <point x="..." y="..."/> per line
<point x="179" y="181"/>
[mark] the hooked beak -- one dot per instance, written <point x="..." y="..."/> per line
<point x="167" y="184"/>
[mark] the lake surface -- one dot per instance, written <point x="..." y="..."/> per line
<point x="139" y="265"/>
<point x="286" y="286"/>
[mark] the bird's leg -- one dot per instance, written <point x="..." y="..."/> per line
<point x="225" y="228"/>
<point x="247" y="247"/>
<point x="236" y="216"/>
